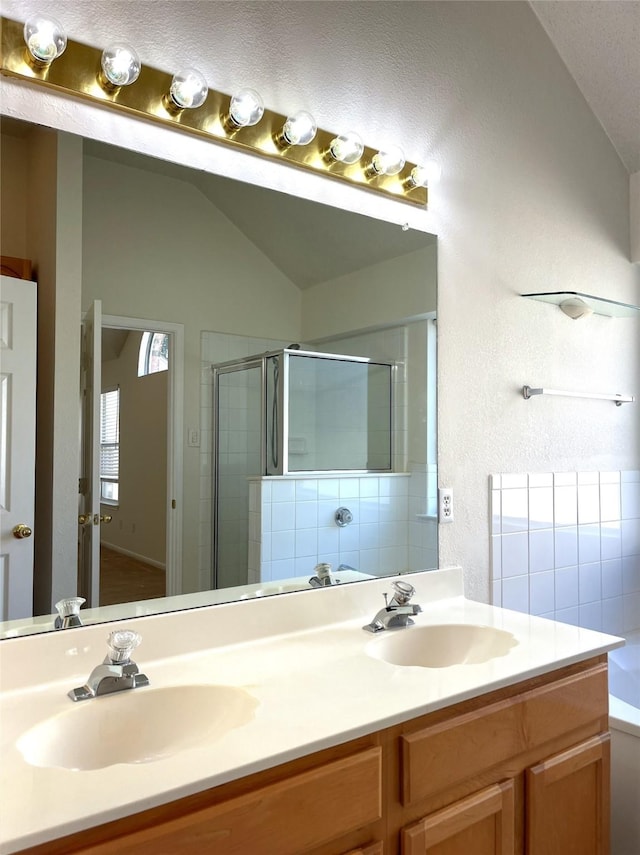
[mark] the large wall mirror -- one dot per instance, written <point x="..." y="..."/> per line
<point x="226" y="272"/>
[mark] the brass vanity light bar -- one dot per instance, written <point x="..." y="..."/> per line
<point x="76" y="73"/>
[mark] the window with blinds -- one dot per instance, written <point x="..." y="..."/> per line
<point x="109" y="446"/>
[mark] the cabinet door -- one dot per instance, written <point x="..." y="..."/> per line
<point x="568" y="801"/>
<point x="482" y="824"/>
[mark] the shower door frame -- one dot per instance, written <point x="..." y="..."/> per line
<point x="231" y="367"/>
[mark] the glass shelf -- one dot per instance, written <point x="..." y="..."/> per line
<point x="599" y="305"/>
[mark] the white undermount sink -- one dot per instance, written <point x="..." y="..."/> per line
<point x="441" y="645"/>
<point x="136" y="726"/>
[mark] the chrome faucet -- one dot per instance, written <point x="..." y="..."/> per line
<point x="117" y="673"/>
<point x="322" y="577"/>
<point x="398" y="611"/>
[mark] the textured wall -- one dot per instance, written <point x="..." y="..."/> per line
<point x="634" y="215"/>
<point x="533" y="197"/>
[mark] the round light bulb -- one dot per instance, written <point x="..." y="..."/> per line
<point x="424" y="175"/>
<point x="45" y="38"/>
<point x="419" y="177"/>
<point x="347" y="148"/>
<point x="246" y="108"/>
<point x="388" y="162"/>
<point x="188" y="89"/>
<point x="120" y="64"/>
<point x="299" y="129"/>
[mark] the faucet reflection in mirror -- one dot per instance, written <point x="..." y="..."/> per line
<point x="185" y="101"/>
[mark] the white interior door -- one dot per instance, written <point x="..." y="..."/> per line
<point x="18" y="315"/>
<point x="89" y="504"/>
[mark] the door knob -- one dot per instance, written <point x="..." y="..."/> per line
<point x="85" y="519"/>
<point x="21" y="531"/>
<point x="105" y="518"/>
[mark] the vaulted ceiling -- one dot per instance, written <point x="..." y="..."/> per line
<point x="599" y="42"/>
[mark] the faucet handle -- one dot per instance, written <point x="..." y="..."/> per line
<point x="122" y="643"/>
<point x="403" y="592"/>
<point x="322" y="571"/>
<point x="69" y="612"/>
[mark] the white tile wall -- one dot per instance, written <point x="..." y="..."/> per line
<point x="566" y="545"/>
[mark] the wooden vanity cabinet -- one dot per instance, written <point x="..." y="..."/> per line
<point x="520" y="771"/>
<point x="328" y="803"/>
<point x="524" y="773"/>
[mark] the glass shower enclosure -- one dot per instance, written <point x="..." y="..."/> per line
<point x="286" y="413"/>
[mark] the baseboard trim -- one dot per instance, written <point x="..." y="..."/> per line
<point x="135" y="555"/>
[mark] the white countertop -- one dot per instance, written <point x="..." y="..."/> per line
<point x="302" y="656"/>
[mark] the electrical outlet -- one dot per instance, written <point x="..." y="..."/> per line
<point x="445" y="505"/>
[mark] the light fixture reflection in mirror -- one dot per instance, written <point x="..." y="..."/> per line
<point x="285" y="232"/>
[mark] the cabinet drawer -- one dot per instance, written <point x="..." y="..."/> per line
<point x="444" y="754"/>
<point x="287" y="817"/>
<point x="372" y="849"/>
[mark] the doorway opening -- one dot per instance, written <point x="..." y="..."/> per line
<point x="136" y="482"/>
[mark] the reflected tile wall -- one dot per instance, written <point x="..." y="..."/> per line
<point x="566" y="545"/>
<point x="292" y="524"/>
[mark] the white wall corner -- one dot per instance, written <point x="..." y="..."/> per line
<point x="634" y="216"/>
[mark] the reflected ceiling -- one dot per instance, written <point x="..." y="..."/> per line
<point x="319" y="252"/>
